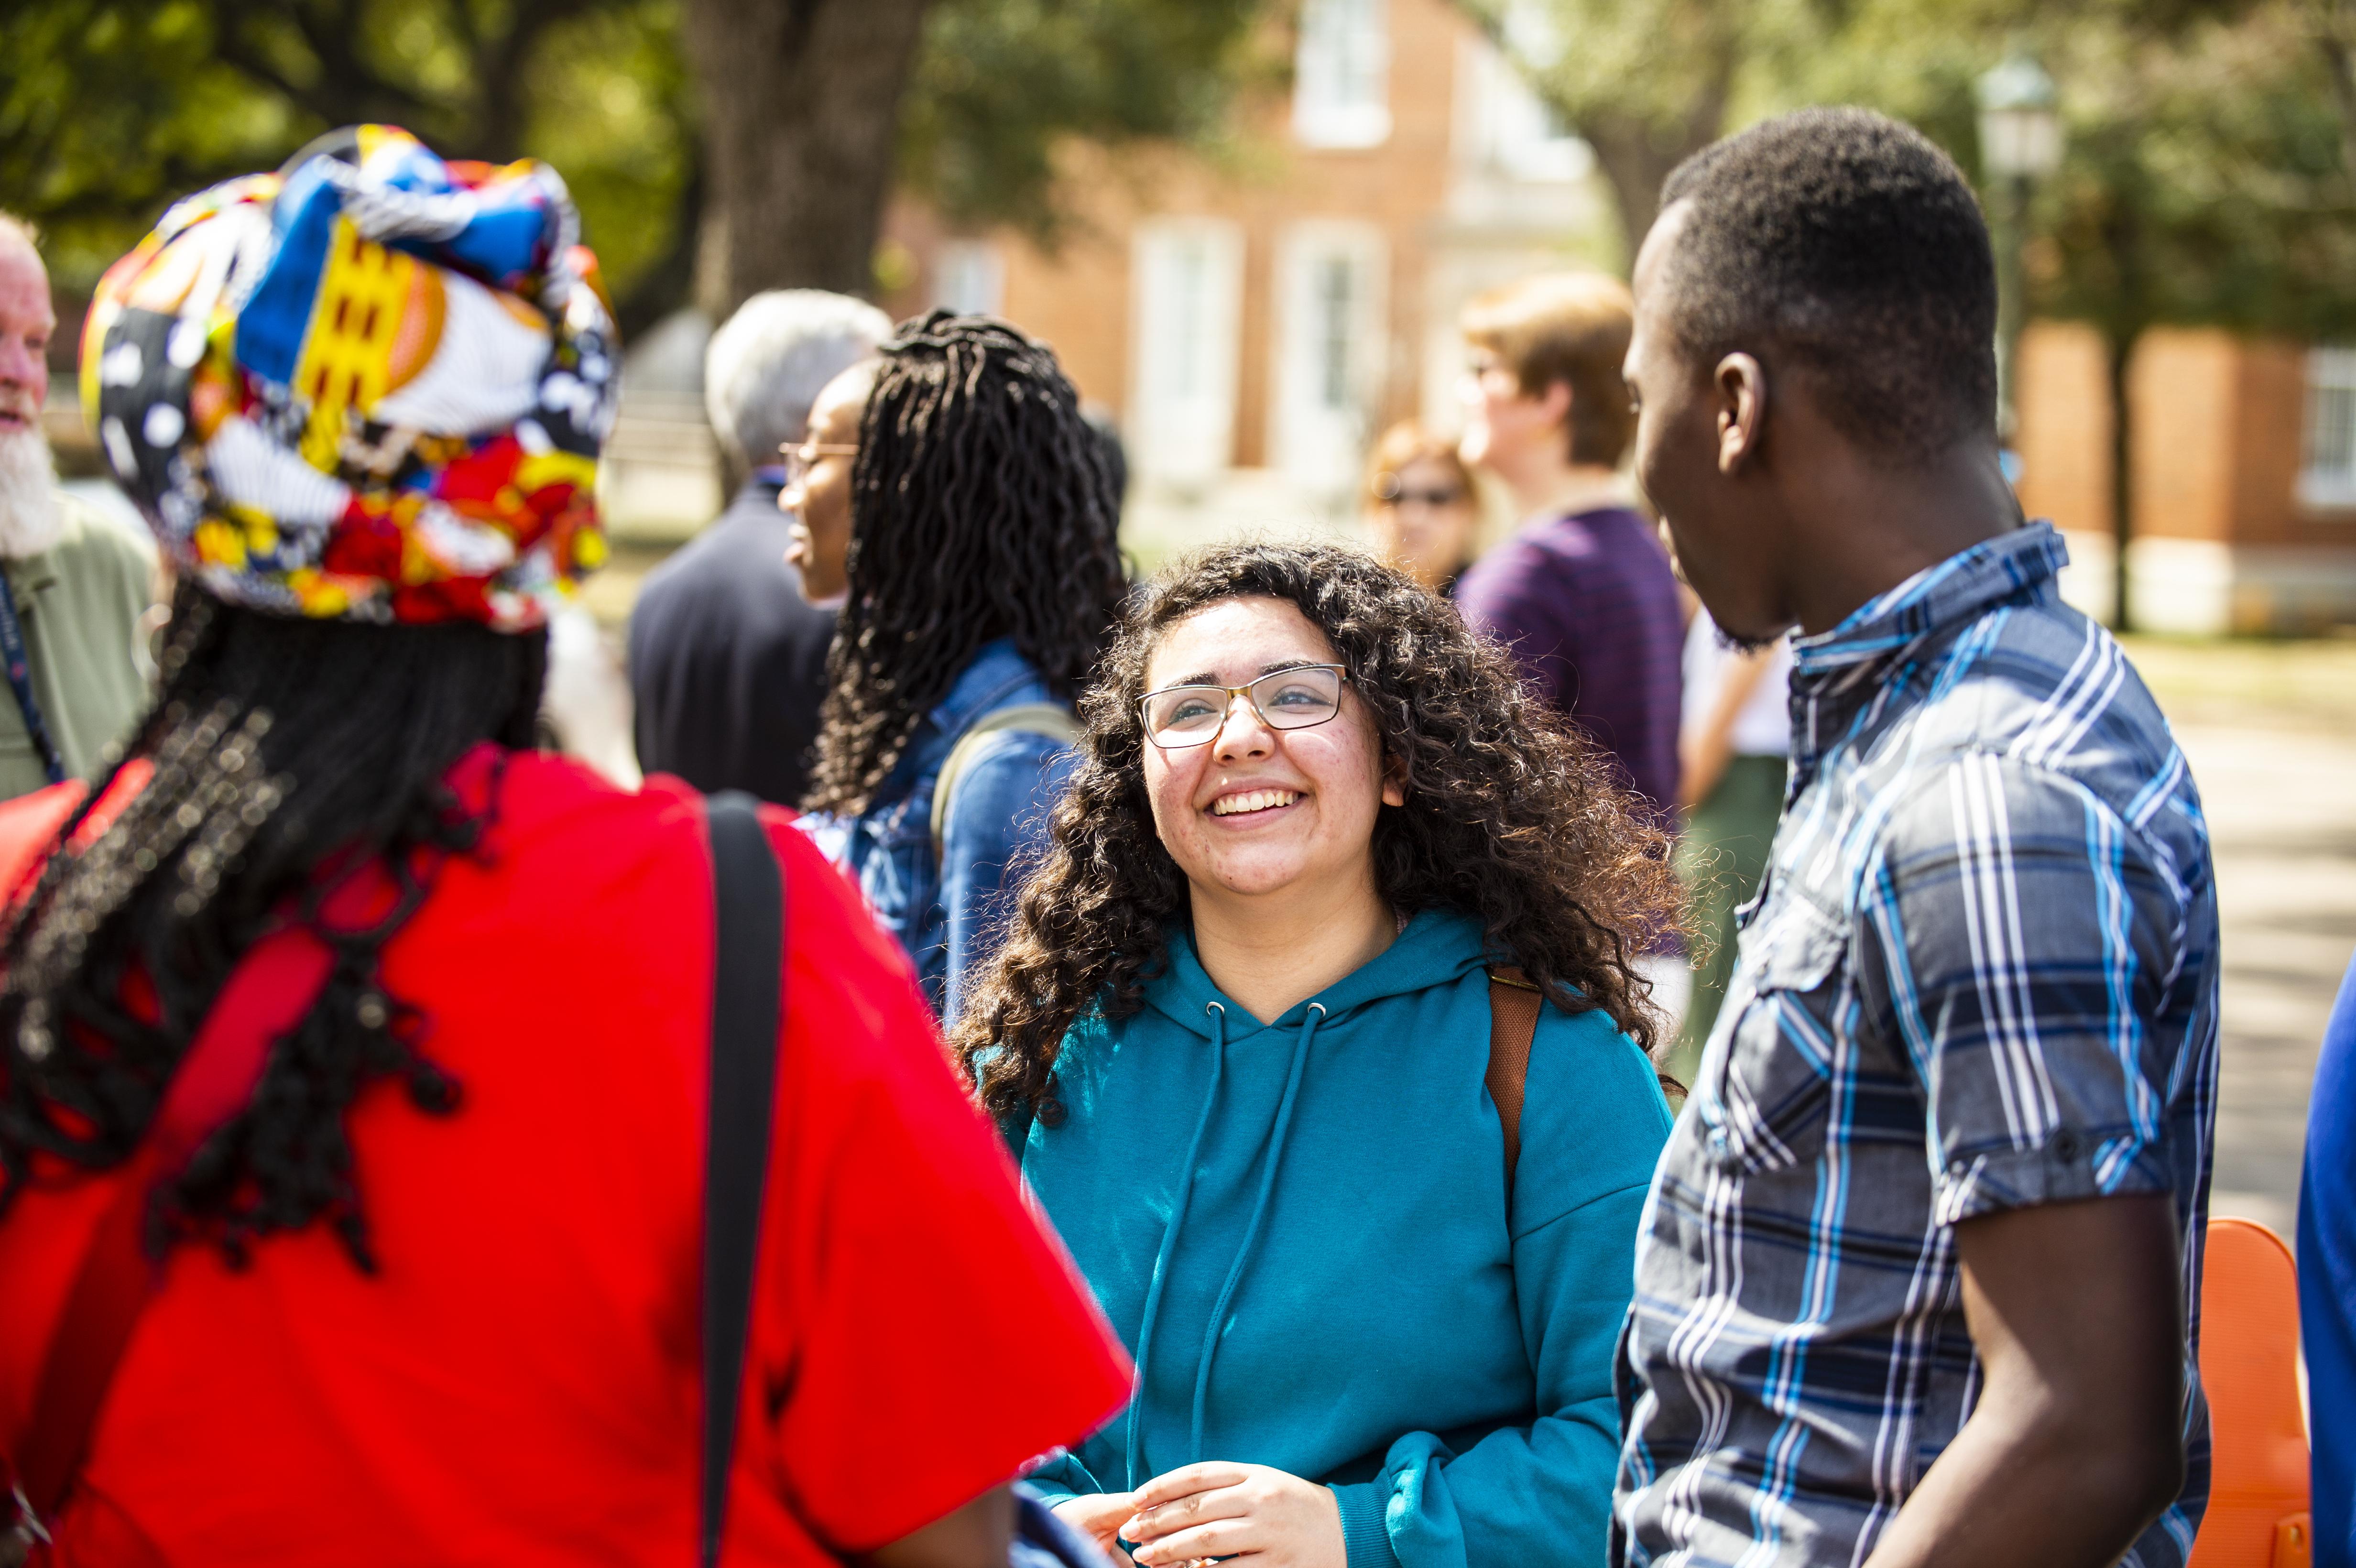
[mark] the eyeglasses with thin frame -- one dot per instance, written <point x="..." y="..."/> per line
<point x="800" y="459"/>
<point x="1294" y="698"/>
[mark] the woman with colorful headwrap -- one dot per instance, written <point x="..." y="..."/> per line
<point x="427" y="1287"/>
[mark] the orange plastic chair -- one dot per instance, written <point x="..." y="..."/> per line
<point x="2258" y="1514"/>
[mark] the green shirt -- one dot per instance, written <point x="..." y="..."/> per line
<point x="79" y="602"/>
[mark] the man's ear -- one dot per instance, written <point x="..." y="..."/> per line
<point x="1740" y="389"/>
<point x="1556" y="402"/>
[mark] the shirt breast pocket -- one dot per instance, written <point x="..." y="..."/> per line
<point x="1766" y="1081"/>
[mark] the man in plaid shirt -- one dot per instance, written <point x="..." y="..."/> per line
<point x="1917" y="1276"/>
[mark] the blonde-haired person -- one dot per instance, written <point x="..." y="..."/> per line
<point x="1582" y="592"/>
<point x="1422" y="510"/>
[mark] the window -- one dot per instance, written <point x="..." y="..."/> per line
<point x="1505" y="128"/>
<point x="1331" y="351"/>
<point x="1186" y="284"/>
<point x="1341" y="92"/>
<point x="969" y="278"/>
<point x="2328" y="474"/>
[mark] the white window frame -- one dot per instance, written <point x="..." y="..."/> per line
<point x="970" y="277"/>
<point x="2327" y="469"/>
<point x="1185" y="321"/>
<point x="1504" y="128"/>
<point x="1332" y="352"/>
<point x="1342" y="70"/>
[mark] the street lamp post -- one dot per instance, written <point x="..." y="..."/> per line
<point x="2020" y="143"/>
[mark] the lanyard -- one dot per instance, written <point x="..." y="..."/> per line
<point x="20" y="680"/>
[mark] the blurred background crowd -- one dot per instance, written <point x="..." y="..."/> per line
<point x="1249" y="226"/>
<point x="1253" y="230"/>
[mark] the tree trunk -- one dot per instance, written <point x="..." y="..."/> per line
<point x="801" y="117"/>
<point x="2119" y="347"/>
<point x="668" y="282"/>
<point x="1637" y="154"/>
<point x="502" y="104"/>
<point x="2129" y="311"/>
<point x="2335" y="36"/>
<point x="1633" y="167"/>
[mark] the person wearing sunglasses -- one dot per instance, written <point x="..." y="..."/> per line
<point x="1420" y="507"/>
<point x="1242" y="1040"/>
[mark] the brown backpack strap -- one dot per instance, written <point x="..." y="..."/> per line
<point x="1513" y="1005"/>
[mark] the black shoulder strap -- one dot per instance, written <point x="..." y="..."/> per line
<point x="20" y="680"/>
<point x="749" y="934"/>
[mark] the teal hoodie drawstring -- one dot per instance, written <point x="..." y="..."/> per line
<point x="1170" y="1236"/>
<point x="1251" y="1232"/>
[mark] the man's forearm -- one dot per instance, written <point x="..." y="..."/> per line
<point x="2075" y="1446"/>
<point x="2008" y="1493"/>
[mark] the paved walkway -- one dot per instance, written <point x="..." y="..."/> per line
<point x="2282" y="811"/>
<point x="2271" y="731"/>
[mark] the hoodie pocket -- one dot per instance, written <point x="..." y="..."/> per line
<point x="1766" y="1080"/>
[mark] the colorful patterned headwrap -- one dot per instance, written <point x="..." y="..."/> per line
<point x="370" y="386"/>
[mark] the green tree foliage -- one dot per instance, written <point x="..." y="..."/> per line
<point x="2203" y="184"/>
<point x="1002" y="83"/>
<point x="2209" y="176"/>
<point x="109" y="108"/>
<point x="2204" y="128"/>
<point x="109" y="111"/>
<point x="1644" y="82"/>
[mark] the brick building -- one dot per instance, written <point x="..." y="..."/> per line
<point x="1255" y="319"/>
<point x="2244" y="484"/>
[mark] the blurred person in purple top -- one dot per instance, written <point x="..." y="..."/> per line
<point x="1582" y="592"/>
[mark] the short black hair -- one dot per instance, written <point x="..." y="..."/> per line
<point x="1849" y="243"/>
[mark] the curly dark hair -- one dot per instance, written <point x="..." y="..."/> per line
<point x="982" y="505"/>
<point x="285" y="750"/>
<point x="1511" y="817"/>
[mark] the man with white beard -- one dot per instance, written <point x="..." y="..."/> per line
<point x="72" y="585"/>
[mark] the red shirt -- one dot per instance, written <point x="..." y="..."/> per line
<point x="521" y="1383"/>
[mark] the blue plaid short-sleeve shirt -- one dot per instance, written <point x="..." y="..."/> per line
<point x="1980" y="974"/>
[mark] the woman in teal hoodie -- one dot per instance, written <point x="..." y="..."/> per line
<point x="1240" y="1039"/>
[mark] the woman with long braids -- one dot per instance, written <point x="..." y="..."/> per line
<point x="955" y="496"/>
<point x="1242" y="1037"/>
<point x="355" y="1058"/>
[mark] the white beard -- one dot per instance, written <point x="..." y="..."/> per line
<point x="30" y="519"/>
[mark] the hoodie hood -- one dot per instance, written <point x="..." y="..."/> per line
<point x="1303" y="1231"/>
<point x="1439" y="947"/>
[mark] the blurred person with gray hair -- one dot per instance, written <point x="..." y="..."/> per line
<point x="74" y="586"/>
<point x="727" y="654"/>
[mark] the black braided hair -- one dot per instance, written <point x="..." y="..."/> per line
<point x="278" y="744"/>
<point x="982" y="507"/>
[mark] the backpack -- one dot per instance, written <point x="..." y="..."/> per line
<point x="1048" y="719"/>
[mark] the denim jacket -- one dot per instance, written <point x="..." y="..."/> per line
<point x="950" y="913"/>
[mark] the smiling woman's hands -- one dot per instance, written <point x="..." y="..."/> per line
<point x="1099" y="1516"/>
<point x="1221" y="1510"/>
